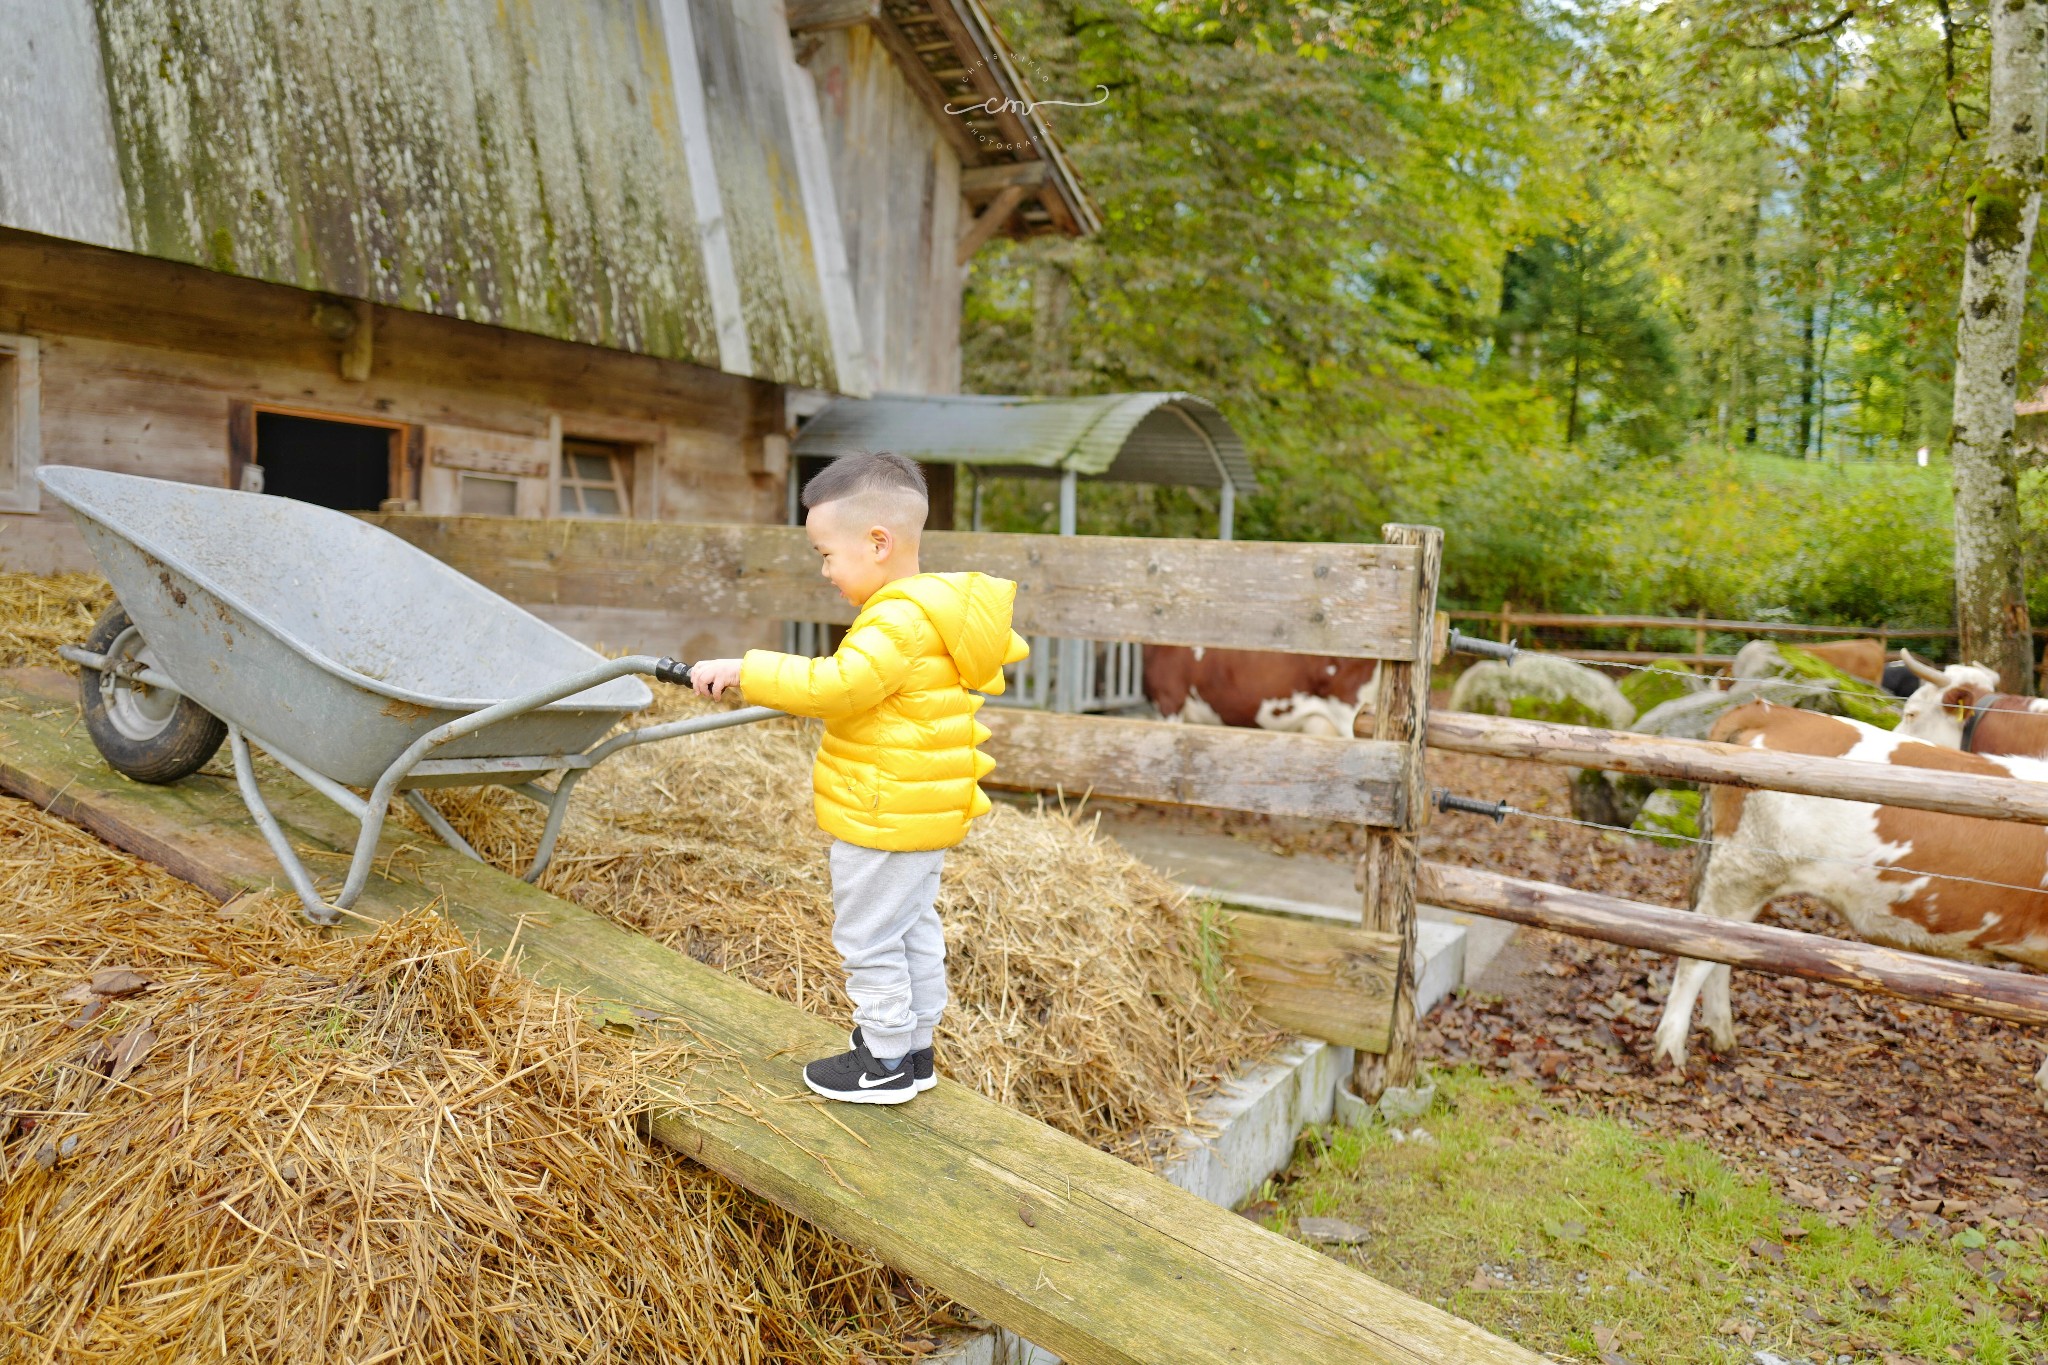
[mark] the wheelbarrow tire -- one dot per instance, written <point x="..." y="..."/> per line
<point x="149" y="736"/>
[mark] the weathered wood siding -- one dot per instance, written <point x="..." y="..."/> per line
<point x="141" y="360"/>
<point x="898" y="185"/>
<point x="522" y="164"/>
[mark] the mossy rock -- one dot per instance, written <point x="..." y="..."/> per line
<point x="1691" y="717"/>
<point x="1670" y="817"/>
<point x="1610" y="798"/>
<point x="1851" y="696"/>
<point x="1661" y="682"/>
<point x="1543" y="687"/>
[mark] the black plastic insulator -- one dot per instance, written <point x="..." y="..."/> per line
<point x="1471" y="805"/>
<point x="672" y="671"/>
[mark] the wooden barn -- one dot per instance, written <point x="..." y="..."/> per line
<point x="594" y="258"/>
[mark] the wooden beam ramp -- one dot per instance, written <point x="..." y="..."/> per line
<point x="1080" y="1252"/>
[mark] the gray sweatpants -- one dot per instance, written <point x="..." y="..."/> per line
<point x="886" y="928"/>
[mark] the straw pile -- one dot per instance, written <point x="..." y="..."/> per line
<point x="223" y="1138"/>
<point x="38" y="614"/>
<point x="1086" y="991"/>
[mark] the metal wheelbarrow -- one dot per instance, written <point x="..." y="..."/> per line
<point x="349" y="656"/>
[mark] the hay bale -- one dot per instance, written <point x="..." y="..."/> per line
<point x="263" y="1143"/>
<point x="1542" y="687"/>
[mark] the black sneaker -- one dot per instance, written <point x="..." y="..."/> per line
<point x="857" y="1078"/>
<point x="920" y="1059"/>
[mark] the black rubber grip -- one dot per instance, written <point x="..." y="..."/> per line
<point x="1468" y="805"/>
<point x="672" y="671"/>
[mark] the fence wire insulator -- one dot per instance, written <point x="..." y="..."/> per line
<point x="1471" y="805"/>
<point x="1461" y="643"/>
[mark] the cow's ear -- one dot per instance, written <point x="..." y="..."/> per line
<point x="1959" y="699"/>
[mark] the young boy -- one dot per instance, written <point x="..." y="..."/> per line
<point x="895" y="781"/>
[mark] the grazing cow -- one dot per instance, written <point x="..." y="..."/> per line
<point x="1885" y="870"/>
<point x="1960" y="707"/>
<point x="1304" y="693"/>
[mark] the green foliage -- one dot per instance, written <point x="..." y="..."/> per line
<point x="1579" y="319"/>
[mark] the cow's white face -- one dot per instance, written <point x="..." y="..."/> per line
<point x="1925" y="718"/>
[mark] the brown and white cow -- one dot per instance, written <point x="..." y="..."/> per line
<point x="1305" y="694"/>
<point x="1890" y="873"/>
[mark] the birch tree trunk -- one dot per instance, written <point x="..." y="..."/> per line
<point x="1991" y="602"/>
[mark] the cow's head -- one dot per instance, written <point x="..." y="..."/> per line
<point x="1936" y="712"/>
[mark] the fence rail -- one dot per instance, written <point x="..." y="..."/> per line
<point x="1507" y="620"/>
<point x="2013" y="996"/>
<point x="1732" y="765"/>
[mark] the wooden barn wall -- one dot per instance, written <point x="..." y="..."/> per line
<point x="141" y="360"/>
<point x="898" y="184"/>
<point x="522" y="164"/>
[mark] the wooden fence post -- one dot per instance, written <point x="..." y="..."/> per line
<point x="1387" y="869"/>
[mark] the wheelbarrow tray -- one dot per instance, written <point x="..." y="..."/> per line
<point x="326" y="638"/>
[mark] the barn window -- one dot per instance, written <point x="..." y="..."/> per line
<point x="21" y="441"/>
<point x="486" y="495"/>
<point x="597" y="479"/>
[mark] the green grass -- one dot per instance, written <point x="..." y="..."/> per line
<point x="1592" y="1237"/>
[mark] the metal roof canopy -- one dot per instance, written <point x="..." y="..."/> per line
<point x="1168" y="438"/>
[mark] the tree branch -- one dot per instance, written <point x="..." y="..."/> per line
<point x="1806" y="34"/>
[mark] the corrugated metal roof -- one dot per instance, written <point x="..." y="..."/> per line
<point x="1170" y="438"/>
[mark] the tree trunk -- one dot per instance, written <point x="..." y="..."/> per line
<point x="1991" y="601"/>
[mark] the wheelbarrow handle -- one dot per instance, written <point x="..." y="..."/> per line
<point x="672" y="671"/>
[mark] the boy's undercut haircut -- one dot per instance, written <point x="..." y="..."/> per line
<point x="865" y="473"/>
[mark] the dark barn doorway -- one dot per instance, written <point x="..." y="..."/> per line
<point x="344" y="465"/>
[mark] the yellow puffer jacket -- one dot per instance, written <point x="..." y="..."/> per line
<point x="898" y="769"/>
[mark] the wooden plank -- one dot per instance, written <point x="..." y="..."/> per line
<point x="981" y="180"/>
<point x="1349" y="601"/>
<point x="1388" y="863"/>
<point x="1328" y="981"/>
<point x="988" y="222"/>
<point x="1112" y="1264"/>
<point x="2013" y="996"/>
<point x="1313" y="777"/>
<point x="808" y="16"/>
<point x="1732" y="765"/>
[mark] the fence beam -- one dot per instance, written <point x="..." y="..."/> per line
<point x="2017" y="998"/>
<point x="1731" y="765"/>
<point x="1350" y="601"/>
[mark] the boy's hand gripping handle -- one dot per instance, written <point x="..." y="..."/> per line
<point x="672" y="671"/>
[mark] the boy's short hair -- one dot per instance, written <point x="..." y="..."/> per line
<point x="865" y="472"/>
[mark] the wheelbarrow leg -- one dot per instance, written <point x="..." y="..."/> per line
<point x="558" y="806"/>
<point x="317" y="910"/>
<point x="439" y="824"/>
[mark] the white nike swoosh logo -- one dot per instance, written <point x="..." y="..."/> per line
<point x="867" y="1084"/>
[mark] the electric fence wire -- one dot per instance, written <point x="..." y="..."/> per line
<point x="1509" y="809"/>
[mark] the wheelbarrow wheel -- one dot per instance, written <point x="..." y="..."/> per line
<point x="144" y="732"/>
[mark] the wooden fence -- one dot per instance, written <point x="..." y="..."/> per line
<point x="1507" y="621"/>
<point x="1681" y="933"/>
<point x="1352" y="985"/>
<point x="1361" y="601"/>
